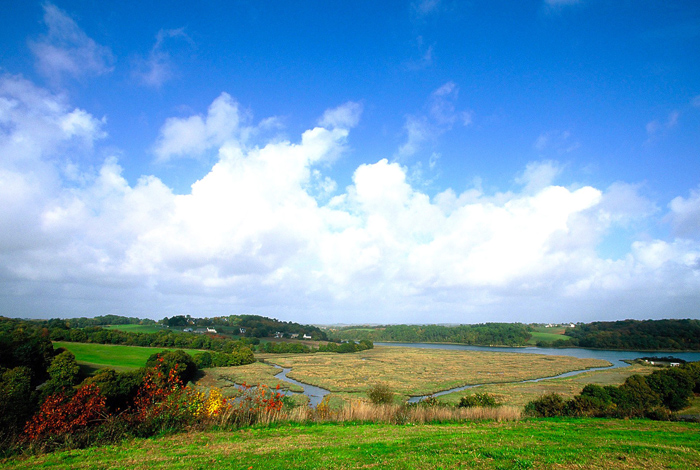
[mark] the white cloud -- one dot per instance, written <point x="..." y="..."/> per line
<point x="67" y="50"/>
<point x="345" y="116"/>
<point x="192" y="136"/>
<point x="557" y="141"/>
<point x="418" y="130"/>
<point x="261" y="233"/>
<point x="425" y="7"/>
<point x="559" y="3"/>
<point x="157" y="68"/>
<point x="654" y="127"/>
<point x="441" y="117"/>
<point x="538" y="175"/>
<point x="685" y="215"/>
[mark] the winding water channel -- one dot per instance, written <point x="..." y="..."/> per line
<point x="616" y="358"/>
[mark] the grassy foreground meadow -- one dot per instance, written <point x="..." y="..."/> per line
<point x="532" y="443"/>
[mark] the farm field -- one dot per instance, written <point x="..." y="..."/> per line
<point x="410" y="372"/>
<point x="98" y="356"/>
<point x="136" y="328"/>
<point x="526" y="444"/>
<point x="547" y="334"/>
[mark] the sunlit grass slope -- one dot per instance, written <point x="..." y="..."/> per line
<point x="529" y="444"/>
<point x="109" y="355"/>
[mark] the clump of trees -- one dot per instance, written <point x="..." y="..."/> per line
<point x="645" y="335"/>
<point x="655" y="396"/>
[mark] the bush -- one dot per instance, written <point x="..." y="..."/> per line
<point x="380" y="394"/>
<point x="179" y="360"/>
<point x="478" y="399"/>
<point x="18" y="399"/>
<point x="546" y="406"/>
<point x="118" y="388"/>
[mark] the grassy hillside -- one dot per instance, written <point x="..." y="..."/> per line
<point x="543" y="443"/>
<point x="108" y="355"/>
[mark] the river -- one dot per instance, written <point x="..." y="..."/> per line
<point x="616" y="358"/>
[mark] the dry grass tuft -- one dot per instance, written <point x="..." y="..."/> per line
<point x="362" y="411"/>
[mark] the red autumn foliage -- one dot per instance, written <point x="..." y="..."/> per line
<point x="60" y="414"/>
<point x="152" y="397"/>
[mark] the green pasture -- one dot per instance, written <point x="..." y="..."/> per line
<point x="528" y="444"/>
<point x="547" y="334"/>
<point x="136" y="328"/>
<point x="99" y="356"/>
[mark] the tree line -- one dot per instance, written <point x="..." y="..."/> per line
<point x="674" y="335"/>
<point x="486" y="334"/>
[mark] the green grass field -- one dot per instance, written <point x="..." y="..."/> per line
<point x="136" y="328"/>
<point x="98" y="356"/>
<point x="547" y="334"/>
<point x="527" y="444"/>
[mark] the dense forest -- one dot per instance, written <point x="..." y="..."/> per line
<point x="676" y="335"/>
<point x="487" y="334"/>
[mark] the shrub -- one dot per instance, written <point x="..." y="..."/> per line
<point x="18" y="399"/>
<point x="548" y="405"/>
<point x="674" y="386"/>
<point x="62" y="415"/>
<point x="178" y="360"/>
<point x="478" y="399"/>
<point x="380" y="394"/>
<point x="118" y="388"/>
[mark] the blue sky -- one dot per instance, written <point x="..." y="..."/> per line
<point x="407" y="161"/>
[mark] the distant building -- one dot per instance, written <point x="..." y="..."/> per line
<point x="294" y="335"/>
<point x="279" y="335"/>
<point x="242" y="330"/>
<point x="307" y="336"/>
<point x="211" y="330"/>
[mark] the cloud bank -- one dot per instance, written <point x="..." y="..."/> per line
<point x="267" y="232"/>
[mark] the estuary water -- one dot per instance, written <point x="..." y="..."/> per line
<point x="616" y="358"/>
<point x="314" y="393"/>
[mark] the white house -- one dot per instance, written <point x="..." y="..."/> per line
<point x="306" y="336"/>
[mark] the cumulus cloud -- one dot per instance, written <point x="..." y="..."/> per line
<point x="66" y="50"/>
<point x="157" y="68"/>
<point x="266" y="231"/>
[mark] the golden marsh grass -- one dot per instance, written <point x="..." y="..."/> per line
<point x="412" y="371"/>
